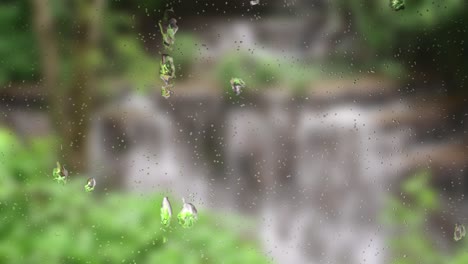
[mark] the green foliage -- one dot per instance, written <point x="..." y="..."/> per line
<point x="299" y="77"/>
<point x="429" y="32"/>
<point x="46" y="222"/>
<point x="126" y="56"/>
<point x="411" y="241"/>
<point x="166" y="213"/>
<point x="260" y="72"/>
<point x="391" y="68"/>
<point x="186" y="217"/>
<point x="383" y="27"/>
<point x="132" y="64"/>
<point x="397" y="5"/>
<point x="255" y="72"/>
<point x="184" y="53"/>
<point x="18" y="53"/>
<point x="22" y="162"/>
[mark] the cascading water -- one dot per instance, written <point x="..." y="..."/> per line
<point x="154" y="159"/>
<point x="330" y="215"/>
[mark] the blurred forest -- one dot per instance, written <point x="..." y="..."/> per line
<point x="78" y="49"/>
<point x="46" y="222"/>
<point x="66" y="57"/>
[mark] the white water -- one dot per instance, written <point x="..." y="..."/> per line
<point x="315" y="181"/>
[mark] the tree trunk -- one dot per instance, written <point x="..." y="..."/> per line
<point x="70" y="106"/>
<point x="49" y="54"/>
<point x="82" y="91"/>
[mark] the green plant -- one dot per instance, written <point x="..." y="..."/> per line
<point x="381" y="25"/>
<point x="256" y="72"/>
<point x="262" y="71"/>
<point x="46" y="222"/>
<point x="184" y="52"/>
<point x="411" y="242"/>
<point x="18" y="54"/>
<point x="429" y="32"/>
<point x="134" y="64"/>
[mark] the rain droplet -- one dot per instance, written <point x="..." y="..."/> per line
<point x="188" y="215"/>
<point x="459" y="232"/>
<point x="166" y="212"/>
<point x="237" y="85"/>
<point x="168" y="27"/>
<point x="397" y="5"/>
<point x="254" y="2"/>
<point x="90" y="184"/>
<point x="60" y="174"/>
<point x="167" y="74"/>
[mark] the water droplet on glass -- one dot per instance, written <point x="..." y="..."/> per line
<point x="60" y="174"/>
<point x="188" y="215"/>
<point x="90" y="184"/>
<point x="166" y="212"/>
<point x="167" y="74"/>
<point x="254" y="2"/>
<point x="237" y="85"/>
<point x="459" y="232"/>
<point x="168" y="27"/>
<point x="397" y="5"/>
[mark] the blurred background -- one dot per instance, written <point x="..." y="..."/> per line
<point x="348" y="145"/>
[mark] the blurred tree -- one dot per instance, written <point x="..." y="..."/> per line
<point x="49" y="53"/>
<point x="70" y="101"/>
<point x="46" y="222"/>
<point x="45" y="31"/>
<point x="85" y="37"/>
<point x="18" y="56"/>
<point x="430" y="32"/>
<point x="416" y="235"/>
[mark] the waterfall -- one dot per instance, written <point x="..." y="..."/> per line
<point x="330" y="215"/>
<point x="314" y="178"/>
<point x="152" y="158"/>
